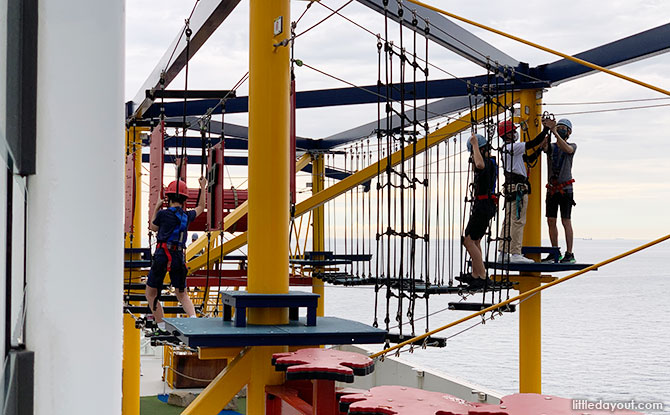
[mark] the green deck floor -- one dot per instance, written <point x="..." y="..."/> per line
<point x="150" y="405"/>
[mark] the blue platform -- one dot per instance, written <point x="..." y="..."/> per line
<point x="241" y="300"/>
<point x="214" y="332"/>
<point x="537" y="267"/>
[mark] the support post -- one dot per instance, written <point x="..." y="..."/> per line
<point x="269" y="143"/>
<point x="131" y="367"/>
<point x="530" y="310"/>
<point x="262" y="375"/>
<point x="268" y="155"/>
<point x="318" y="238"/>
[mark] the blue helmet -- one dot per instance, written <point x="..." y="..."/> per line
<point x="565" y="122"/>
<point x="480" y="140"/>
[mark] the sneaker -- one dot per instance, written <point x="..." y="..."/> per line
<point x="503" y="258"/>
<point x="551" y="258"/>
<point x="568" y="258"/>
<point x="158" y="332"/>
<point x="520" y="259"/>
<point x="465" y="278"/>
<point x="479" y="283"/>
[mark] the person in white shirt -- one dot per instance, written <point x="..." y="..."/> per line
<point x="516" y="188"/>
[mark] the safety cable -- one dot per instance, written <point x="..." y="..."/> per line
<point x="613" y="109"/>
<point x="546" y="49"/>
<point x="322" y="20"/>
<point x="426" y="110"/>
<point x="619" y="101"/>
<point x="183" y="30"/>
<point x="432" y="65"/>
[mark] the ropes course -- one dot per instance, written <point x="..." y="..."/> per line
<point x="388" y="207"/>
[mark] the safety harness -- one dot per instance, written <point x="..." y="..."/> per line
<point x="175" y="239"/>
<point x="174" y="242"/>
<point x="516" y="186"/>
<point x="554" y="186"/>
<point x="491" y="192"/>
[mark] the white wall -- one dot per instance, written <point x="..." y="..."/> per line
<point x="18" y="239"/>
<point x="3" y="76"/>
<point x="3" y="154"/>
<point x="75" y="214"/>
<point x="3" y="245"/>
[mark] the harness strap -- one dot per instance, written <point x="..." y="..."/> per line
<point x="553" y="187"/>
<point x="486" y="197"/>
<point x="165" y="248"/>
<point x="177" y="235"/>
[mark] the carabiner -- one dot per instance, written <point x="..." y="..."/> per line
<point x="548" y="116"/>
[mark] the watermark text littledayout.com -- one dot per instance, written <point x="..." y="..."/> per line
<point x="632" y="405"/>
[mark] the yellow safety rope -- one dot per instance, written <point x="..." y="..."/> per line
<point x="544" y="48"/>
<point x="522" y="296"/>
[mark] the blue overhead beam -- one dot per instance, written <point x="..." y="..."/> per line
<point x="630" y="49"/>
<point x="227" y="160"/>
<point x="331" y="173"/>
<point x="231" y="143"/>
<point x="368" y="94"/>
<point x="642" y="45"/>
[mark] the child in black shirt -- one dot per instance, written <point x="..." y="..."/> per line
<point x="484" y="208"/>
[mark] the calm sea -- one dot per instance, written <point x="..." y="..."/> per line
<point x="606" y="334"/>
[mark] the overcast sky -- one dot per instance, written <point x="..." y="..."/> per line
<point x="621" y="165"/>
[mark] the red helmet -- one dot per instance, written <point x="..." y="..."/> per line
<point x="505" y="127"/>
<point x="177" y="188"/>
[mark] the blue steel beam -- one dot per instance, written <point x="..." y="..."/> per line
<point x="445" y="33"/>
<point x="630" y="49"/>
<point x="439" y="108"/>
<point x="197" y="160"/>
<point x="441" y="88"/>
<point x="239" y="132"/>
<point x="196" y="142"/>
<point x="331" y="173"/>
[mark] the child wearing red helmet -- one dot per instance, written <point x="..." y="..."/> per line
<point x="171" y="226"/>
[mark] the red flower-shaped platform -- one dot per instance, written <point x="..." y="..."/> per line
<point x="325" y="364"/>
<point x="400" y="400"/>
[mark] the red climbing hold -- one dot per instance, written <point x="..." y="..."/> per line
<point x="326" y="364"/>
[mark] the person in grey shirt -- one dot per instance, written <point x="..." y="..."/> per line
<point x="559" y="188"/>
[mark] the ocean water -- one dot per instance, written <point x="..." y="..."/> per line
<point x="606" y="334"/>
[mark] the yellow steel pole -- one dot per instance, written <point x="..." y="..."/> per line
<point x="530" y="317"/>
<point x="268" y="155"/>
<point x="269" y="144"/>
<point x="318" y="237"/>
<point x="131" y="367"/>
